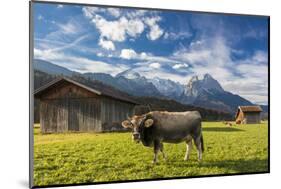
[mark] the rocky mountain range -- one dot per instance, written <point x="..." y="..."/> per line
<point x="206" y="92"/>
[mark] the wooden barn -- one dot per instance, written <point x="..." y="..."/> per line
<point x="66" y="105"/>
<point x="248" y="115"/>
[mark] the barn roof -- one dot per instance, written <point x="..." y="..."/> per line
<point x="250" y="108"/>
<point x="102" y="92"/>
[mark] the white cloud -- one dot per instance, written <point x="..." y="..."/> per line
<point x="155" y="30"/>
<point x="116" y="12"/>
<point x="162" y="59"/>
<point x="152" y="20"/>
<point x="128" y="54"/>
<point x="155" y="33"/>
<point x="60" y="6"/>
<point x="118" y="30"/>
<point x="211" y="52"/>
<point x="112" y="30"/>
<point x="126" y="23"/>
<point x="178" y="66"/>
<point x="100" y="54"/>
<point x="195" y="57"/>
<point x="251" y="88"/>
<point x="155" y="65"/>
<point x="68" y="28"/>
<point x="106" y="44"/>
<point x="143" y="55"/>
<point x="131" y="54"/>
<point x="260" y="57"/>
<point x="251" y="70"/>
<point x="220" y="73"/>
<point x="136" y="13"/>
<point x="90" y="12"/>
<point x="196" y="43"/>
<point x="135" y="27"/>
<point x="251" y="81"/>
<point x="175" y="36"/>
<point x="79" y="64"/>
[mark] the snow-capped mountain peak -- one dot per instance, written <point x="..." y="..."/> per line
<point x="167" y="87"/>
<point x="129" y="74"/>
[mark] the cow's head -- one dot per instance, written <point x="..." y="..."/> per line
<point x="136" y="123"/>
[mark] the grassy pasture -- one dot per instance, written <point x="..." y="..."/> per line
<point x="97" y="157"/>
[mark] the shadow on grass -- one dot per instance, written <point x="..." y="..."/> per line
<point x="237" y="166"/>
<point x="222" y="129"/>
<point x="251" y="165"/>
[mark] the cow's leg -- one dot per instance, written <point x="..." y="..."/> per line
<point x="198" y="145"/>
<point x="162" y="150"/>
<point x="188" y="149"/>
<point x="156" y="150"/>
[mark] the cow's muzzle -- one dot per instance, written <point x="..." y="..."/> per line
<point x="136" y="136"/>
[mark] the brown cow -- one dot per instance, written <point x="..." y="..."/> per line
<point x="156" y="127"/>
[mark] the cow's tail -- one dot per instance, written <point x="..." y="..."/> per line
<point x="202" y="143"/>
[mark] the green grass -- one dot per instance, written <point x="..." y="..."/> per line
<point x="97" y="157"/>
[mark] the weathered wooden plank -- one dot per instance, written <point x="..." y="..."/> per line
<point x="85" y="114"/>
<point x="48" y="116"/>
<point x="114" y="112"/>
<point x="62" y="115"/>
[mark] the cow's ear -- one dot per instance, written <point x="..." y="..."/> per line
<point x="127" y="124"/>
<point x="148" y="122"/>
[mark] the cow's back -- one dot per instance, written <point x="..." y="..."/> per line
<point x="175" y="126"/>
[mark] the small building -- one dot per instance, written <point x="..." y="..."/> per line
<point x="248" y="115"/>
<point x="66" y="105"/>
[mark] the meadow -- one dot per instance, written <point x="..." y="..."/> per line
<point x="100" y="157"/>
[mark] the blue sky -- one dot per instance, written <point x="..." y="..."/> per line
<point x="167" y="44"/>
